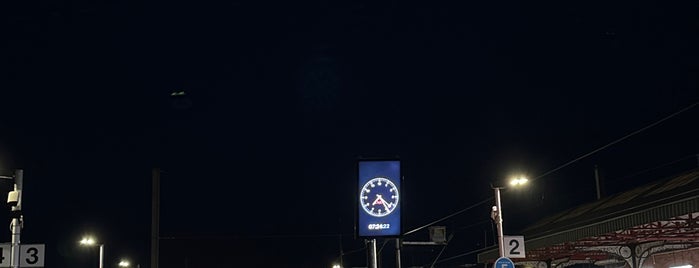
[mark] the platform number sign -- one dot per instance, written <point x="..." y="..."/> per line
<point x="29" y="255"/>
<point x="5" y="255"/>
<point x="514" y="246"/>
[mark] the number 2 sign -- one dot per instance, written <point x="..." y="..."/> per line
<point x="514" y="246"/>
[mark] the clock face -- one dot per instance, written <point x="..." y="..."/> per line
<point x="379" y="197"/>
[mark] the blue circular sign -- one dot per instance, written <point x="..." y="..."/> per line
<point x="503" y="262"/>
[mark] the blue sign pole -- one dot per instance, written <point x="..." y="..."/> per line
<point x="503" y="262"/>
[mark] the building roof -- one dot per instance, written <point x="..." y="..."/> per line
<point x="653" y="212"/>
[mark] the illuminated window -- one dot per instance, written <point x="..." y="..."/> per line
<point x="682" y="266"/>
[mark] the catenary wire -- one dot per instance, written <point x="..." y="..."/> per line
<point x="618" y="140"/>
<point x="564" y="165"/>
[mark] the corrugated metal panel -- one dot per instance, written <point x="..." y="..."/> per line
<point x="657" y="213"/>
<point x="679" y="182"/>
<point x="610" y="205"/>
<point x="626" y="197"/>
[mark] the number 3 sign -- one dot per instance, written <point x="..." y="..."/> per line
<point x="30" y="255"/>
<point x="514" y="246"/>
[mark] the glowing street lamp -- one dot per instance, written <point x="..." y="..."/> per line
<point x="497" y="211"/>
<point x="88" y="242"/>
<point x="336" y="266"/>
<point x="124" y="263"/>
<point x="519" y="181"/>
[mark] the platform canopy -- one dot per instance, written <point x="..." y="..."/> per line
<point x="626" y="227"/>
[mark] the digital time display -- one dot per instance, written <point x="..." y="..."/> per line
<point x="379" y="199"/>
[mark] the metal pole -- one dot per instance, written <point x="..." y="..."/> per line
<point x="17" y="219"/>
<point x="342" y="253"/>
<point x="373" y="263"/>
<point x="101" y="255"/>
<point x="599" y="189"/>
<point x="498" y="221"/>
<point x="398" y="247"/>
<point x="155" y="220"/>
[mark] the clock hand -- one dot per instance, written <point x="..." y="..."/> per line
<point x="382" y="202"/>
<point x="386" y="206"/>
<point x="378" y="200"/>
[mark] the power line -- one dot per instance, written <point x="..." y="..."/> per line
<point x="234" y="237"/>
<point x="448" y="216"/>
<point x="653" y="168"/>
<point x="353" y="251"/>
<point x="442" y="251"/>
<point x="461" y="255"/>
<point x="473" y="224"/>
<point x="563" y="166"/>
<point x="618" y="140"/>
<point x="558" y="168"/>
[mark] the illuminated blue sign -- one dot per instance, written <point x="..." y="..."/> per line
<point x="379" y="199"/>
<point x="503" y="262"/>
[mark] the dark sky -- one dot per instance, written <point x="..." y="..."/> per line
<point x="282" y="98"/>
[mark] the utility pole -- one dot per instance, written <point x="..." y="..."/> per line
<point x="498" y="222"/>
<point x="155" y="220"/>
<point x="342" y="264"/>
<point x="102" y="255"/>
<point x="597" y="183"/>
<point x="373" y="259"/>
<point x="15" y="199"/>
<point x="398" y="248"/>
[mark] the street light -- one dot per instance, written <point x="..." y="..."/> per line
<point x="126" y="263"/>
<point x="336" y="266"/>
<point x="497" y="211"/>
<point x="89" y="241"/>
<point x="519" y="181"/>
<point x="14" y="199"/>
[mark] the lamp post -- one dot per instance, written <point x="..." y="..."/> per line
<point x="14" y="199"/>
<point x="89" y="241"/>
<point x="126" y="263"/>
<point x="497" y="216"/>
<point x="497" y="212"/>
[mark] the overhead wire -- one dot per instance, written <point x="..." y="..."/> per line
<point x="562" y="166"/>
<point x="552" y="171"/>
<point x="652" y="168"/>
<point x="442" y="251"/>
<point x="271" y="236"/>
<point x="449" y="216"/>
<point x="618" y="140"/>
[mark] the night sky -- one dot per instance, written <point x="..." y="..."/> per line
<point x="281" y="98"/>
